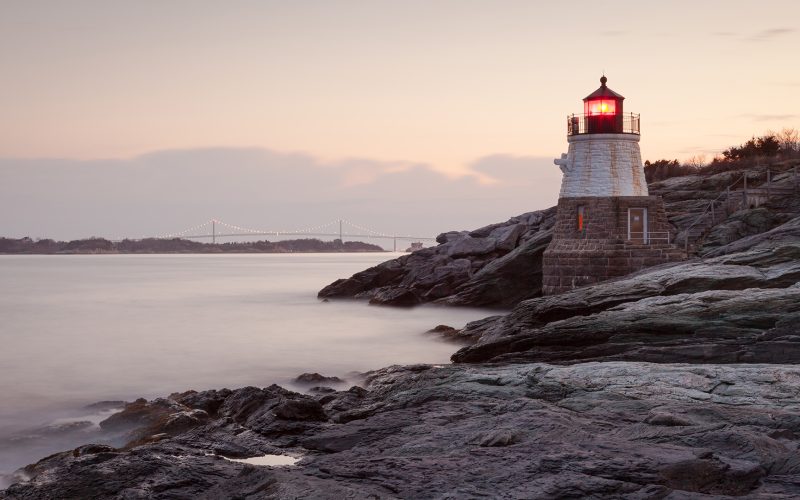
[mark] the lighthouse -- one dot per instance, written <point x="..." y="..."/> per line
<point x="607" y="224"/>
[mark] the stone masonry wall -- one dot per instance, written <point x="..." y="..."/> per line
<point x="602" y="165"/>
<point x="607" y="218"/>
<point x="601" y="251"/>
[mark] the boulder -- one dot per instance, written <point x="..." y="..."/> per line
<point x="507" y="280"/>
<point x="316" y="379"/>
<point x="141" y="413"/>
<point x="471" y="246"/>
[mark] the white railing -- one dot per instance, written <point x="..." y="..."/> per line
<point x="648" y="237"/>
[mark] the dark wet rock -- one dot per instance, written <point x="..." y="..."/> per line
<point x="400" y="297"/>
<point x="494" y="266"/>
<point x="456" y="235"/>
<point x="55" y="430"/>
<point x="663" y="418"/>
<point x="248" y="403"/>
<point x="105" y="405"/>
<point x="471" y="246"/>
<point x="208" y="401"/>
<point x="300" y="409"/>
<point x="321" y="389"/>
<point x="444" y="331"/>
<point x="141" y="413"/>
<point x="502" y="437"/>
<point x="591" y="430"/>
<point x="316" y="378"/>
<point x="713" y="477"/>
<point x="183" y="420"/>
<point x="505" y="281"/>
<point x="93" y="449"/>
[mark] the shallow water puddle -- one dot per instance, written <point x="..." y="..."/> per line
<point x="266" y="460"/>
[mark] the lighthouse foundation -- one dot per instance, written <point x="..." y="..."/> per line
<point x="599" y="238"/>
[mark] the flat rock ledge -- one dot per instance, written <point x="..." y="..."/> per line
<point x="592" y="430"/>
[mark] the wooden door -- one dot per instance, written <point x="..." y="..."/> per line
<point x="637" y="225"/>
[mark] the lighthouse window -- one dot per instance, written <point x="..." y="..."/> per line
<point x="581" y="217"/>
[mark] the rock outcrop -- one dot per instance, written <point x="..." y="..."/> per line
<point x="494" y="266"/>
<point x="739" y="307"/>
<point x="593" y="430"/>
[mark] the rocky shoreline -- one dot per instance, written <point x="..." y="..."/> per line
<point x="679" y="381"/>
<point x="589" y="430"/>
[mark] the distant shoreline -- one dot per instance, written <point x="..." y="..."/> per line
<point x="102" y="246"/>
<point x="2" y="254"/>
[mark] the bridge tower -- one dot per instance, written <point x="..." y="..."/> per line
<point x="607" y="225"/>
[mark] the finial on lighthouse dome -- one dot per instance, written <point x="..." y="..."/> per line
<point x="603" y="80"/>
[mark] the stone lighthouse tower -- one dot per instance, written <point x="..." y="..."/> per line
<point x="607" y="225"/>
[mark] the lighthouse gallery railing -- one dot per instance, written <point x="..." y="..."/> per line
<point x="624" y="123"/>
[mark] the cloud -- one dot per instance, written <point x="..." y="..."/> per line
<point x="768" y="117"/>
<point x="759" y="36"/>
<point x="769" y="34"/>
<point x="167" y="191"/>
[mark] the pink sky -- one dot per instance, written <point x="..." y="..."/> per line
<point x="441" y="82"/>
<point x="390" y="83"/>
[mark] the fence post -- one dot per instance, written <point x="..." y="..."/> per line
<point x="769" y="181"/>
<point x="727" y="200"/>
<point x="744" y="192"/>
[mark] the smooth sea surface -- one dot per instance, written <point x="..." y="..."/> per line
<point x="79" y="329"/>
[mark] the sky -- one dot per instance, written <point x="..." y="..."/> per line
<point x="145" y="117"/>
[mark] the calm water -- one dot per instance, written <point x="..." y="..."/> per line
<point x="80" y="329"/>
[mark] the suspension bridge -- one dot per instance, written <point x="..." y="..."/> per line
<point x="340" y="228"/>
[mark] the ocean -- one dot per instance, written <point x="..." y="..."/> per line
<point x="79" y="329"/>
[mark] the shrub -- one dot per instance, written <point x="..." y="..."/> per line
<point x="664" y="169"/>
<point x="766" y="145"/>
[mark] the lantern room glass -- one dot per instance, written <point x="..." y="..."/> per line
<point x="603" y="115"/>
<point x="600" y="107"/>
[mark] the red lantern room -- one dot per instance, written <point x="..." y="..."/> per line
<point x="602" y="114"/>
<point x="603" y="110"/>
